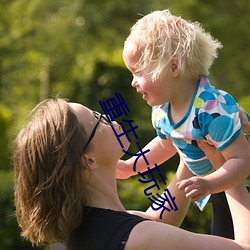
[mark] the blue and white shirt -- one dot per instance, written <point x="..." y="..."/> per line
<point x="213" y="115"/>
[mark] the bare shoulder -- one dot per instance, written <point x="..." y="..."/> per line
<point x="153" y="235"/>
<point x="149" y="235"/>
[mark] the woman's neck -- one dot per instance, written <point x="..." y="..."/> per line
<point x="102" y="189"/>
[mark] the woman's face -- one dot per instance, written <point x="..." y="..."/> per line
<point x="104" y="142"/>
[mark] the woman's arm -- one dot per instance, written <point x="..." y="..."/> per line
<point x="239" y="203"/>
<point x="245" y="123"/>
<point x="160" y="236"/>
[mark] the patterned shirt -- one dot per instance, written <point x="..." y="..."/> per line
<point x="213" y="115"/>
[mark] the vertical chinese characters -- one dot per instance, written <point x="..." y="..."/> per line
<point x="116" y="107"/>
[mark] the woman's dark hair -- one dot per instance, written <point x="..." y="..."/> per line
<point x="49" y="180"/>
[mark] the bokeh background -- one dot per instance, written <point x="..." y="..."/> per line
<point x="72" y="48"/>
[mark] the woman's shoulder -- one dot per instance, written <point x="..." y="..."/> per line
<point x="102" y="229"/>
<point x="156" y="235"/>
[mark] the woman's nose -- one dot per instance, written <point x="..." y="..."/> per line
<point x="109" y="118"/>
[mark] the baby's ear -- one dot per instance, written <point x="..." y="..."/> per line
<point x="175" y="66"/>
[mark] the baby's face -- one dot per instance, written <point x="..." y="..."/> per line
<point x="152" y="92"/>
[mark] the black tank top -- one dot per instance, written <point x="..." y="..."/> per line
<point x="102" y="229"/>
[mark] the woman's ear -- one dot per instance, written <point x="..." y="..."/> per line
<point x="90" y="161"/>
<point x="175" y="66"/>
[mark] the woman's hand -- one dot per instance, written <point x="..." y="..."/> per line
<point x="245" y="124"/>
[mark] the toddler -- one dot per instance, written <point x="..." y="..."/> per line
<point x="170" y="59"/>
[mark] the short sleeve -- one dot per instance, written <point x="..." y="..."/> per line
<point x="159" y="121"/>
<point x="162" y="136"/>
<point x="219" y="120"/>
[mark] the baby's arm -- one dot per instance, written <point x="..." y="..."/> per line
<point x="236" y="168"/>
<point x="234" y="171"/>
<point x="181" y="201"/>
<point x="160" y="151"/>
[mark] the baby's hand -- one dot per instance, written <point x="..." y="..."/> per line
<point x="194" y="187"/>
<point x="123" y="171"/>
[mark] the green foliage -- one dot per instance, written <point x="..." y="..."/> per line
<point x="228" y="22"/>
<point x="73" y="48"/>
<point x="245" y="103"/>
<point x="197" y="221"/>
<point x="132" y="195"/>
<point x="5" y="124"/>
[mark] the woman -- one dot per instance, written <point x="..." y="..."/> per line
<point x="65" y="188"/>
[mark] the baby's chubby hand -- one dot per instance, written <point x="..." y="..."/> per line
<point x="194" y="187"/>
<point x="123" y="171"/>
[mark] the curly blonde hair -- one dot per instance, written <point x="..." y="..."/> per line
<point x="49" y="181"/>
<point x="160" y="36"/>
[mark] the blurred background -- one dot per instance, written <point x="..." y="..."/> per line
<point x="72" y="48"/>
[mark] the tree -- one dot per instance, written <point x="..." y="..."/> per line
<point x="72" y="48"/>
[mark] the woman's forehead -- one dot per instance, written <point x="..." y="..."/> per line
<point x="84" y="115"/>
<point x="78" y="108"/>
